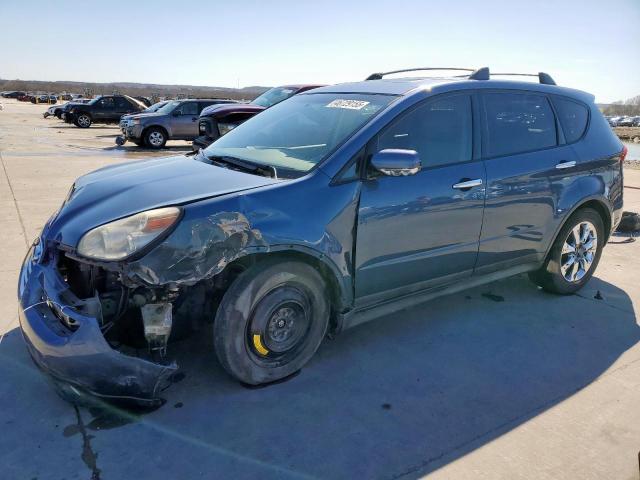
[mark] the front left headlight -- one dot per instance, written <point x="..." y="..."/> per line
<point x="121" y="238"/>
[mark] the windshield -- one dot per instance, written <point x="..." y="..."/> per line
<point x="301" y="132"/>
<point x="155" y="107"/>
<point x="273" y="96"/>
<point x="168" y="108"/>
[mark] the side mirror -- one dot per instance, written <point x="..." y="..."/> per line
<point x="396" y="162"/>
<point x="176" y="113"/>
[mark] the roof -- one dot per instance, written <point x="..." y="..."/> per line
<point x="404" y="86"/>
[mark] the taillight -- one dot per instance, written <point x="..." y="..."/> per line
<point x="623" y="153"/>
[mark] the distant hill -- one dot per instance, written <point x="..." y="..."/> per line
<point x="134" y="89"/>
<point x="630" y="106"/>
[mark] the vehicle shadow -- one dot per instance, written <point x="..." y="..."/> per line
<point x="136" y="149"/>
<point x="92" y="127"/>
<point x="398" y="397"/>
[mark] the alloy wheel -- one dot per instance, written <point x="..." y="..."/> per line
<point x="84" y="121"/>
<point x="156" y="139"/>
<point x="578" y="251"/>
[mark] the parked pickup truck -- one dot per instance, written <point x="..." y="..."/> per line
<point x="103" y="109"/>
<point x="177" y="120"/>
<point x="217" y="120"/>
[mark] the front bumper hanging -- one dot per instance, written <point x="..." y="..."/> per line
<point x="65" y="341"/>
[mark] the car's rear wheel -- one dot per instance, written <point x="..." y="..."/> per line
<point x="155" y="138"/>
<point x="83" y="120"/>
<point x="574" y="255"/>
<point x="271" y="321"/>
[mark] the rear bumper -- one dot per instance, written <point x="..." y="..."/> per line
<point x="79" y="358"/>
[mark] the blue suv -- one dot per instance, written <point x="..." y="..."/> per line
<point x="331" y="208"/>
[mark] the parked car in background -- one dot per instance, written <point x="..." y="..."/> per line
<point x="58" y="110"/>
<point x="615" y="121"/>
<point x="153" y="108"/>
<point x="176" y="120"/>
<point x="13" y="94"/>
<point x="44" y="98"/>
<point x="103" y="109"/>
<point x="626" y="122"/>
<point x="636" y="121"/>
<point x="334" y="207"/>
<point x="217" y="120"/>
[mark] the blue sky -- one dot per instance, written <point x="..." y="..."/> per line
<point x="593" y="45"/>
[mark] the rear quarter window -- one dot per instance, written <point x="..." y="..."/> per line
<point x="517" y="123"/>
<point x="573" y="118"/>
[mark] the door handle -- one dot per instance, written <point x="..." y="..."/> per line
<point x="563" y="165"/>
<point x="467" y="184"/>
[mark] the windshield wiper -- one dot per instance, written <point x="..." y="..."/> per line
<point x="264" y="170"/>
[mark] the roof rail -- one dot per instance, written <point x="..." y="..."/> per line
<point x="378" y="76"/>
<point x="479" y="74"/>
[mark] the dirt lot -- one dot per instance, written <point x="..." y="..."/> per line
<point x="499" y="382"/>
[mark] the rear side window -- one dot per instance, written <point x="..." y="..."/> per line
<point x="440" y="131"/>
<point x="518" y="122"/>
<point x="573" y="118"/>
<point x="122" y="102"/>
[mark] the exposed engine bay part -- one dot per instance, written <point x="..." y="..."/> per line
<point x="157" y="320"/>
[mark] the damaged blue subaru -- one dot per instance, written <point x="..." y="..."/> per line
<point x="332" y="208"/>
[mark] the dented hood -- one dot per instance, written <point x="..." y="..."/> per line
<point x="121" y="190"/>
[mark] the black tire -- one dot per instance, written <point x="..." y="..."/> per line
<point x="83" y="120"/>
<point x="551" y="277"/>
<point x="285" y="304"/>
<point x="155" y="138"/>
<point x="58" y="115"/>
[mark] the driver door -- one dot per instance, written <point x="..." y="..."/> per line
<point x="421" y="231"/>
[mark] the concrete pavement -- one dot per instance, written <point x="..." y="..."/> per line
<point x="499" y="382"/>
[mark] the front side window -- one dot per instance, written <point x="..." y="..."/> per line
<point x="300" y="132"/>
<point x="439" y="130"/>
<point x="573" y="118"/>
<point x="518" y="122"/>
<point x="106" y="103"/>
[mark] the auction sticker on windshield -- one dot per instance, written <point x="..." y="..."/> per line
<point x="349" y="104"/>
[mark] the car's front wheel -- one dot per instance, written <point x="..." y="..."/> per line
<point x="83" y="120"/>
<point x="574" y="255"/>
<point x="155" y="138"/>
<point x="271" y="321"/>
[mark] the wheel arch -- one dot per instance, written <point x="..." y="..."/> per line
<point x="596" y="203"/>
<point x="339" y="292"/>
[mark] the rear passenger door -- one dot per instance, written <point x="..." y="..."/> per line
<point x="524" y="155"/>
<point x="184" y="123"/>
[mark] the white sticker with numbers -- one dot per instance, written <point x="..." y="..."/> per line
<point x="348" y="104"/>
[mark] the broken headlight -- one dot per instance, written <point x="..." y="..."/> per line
<point x="119" y="239"/>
